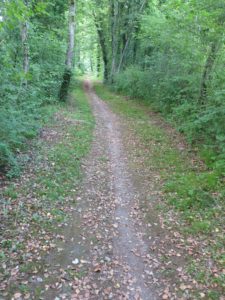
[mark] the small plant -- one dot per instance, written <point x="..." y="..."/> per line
<point x="200" y="227"/>
<point x="11" y="192"/>
<point x="7" y="244"/>
<point x="2" y="256"/>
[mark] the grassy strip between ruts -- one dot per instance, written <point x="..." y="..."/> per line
<point x="35" y="206"/>
<point x="192" y="189"/>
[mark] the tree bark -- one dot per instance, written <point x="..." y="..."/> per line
<point x="102" y="41"/>
<point x="207" y="72"/>
<point x="114" y="45"/>
<point x="70" y="53"/>
<point x="98" y="61"/>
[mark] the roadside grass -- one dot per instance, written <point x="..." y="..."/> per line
<point x="191" y="188"/>
<point x="35" y="206"/>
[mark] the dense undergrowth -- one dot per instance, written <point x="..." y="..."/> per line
<point x="193" y="189"/>
<point x="203" y="125"/>
<point x="19" y="125"/>
<point x="28" y="88"/>
<point x="20" y="120"/>
<point x="178" y="70"/>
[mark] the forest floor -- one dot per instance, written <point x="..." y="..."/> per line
<point x="106" y="234"/>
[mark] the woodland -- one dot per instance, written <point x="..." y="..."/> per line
<point x="162" y="59"/>
<point x="169" y="54"/>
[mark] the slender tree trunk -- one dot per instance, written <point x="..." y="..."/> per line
<point x="25" y="46"/>
<point x="114" y="24"/>
<point x="123" y="54"/>
<point x="136" y="43"/>
<point x="91" y="65"/>
<point x="70" y="53"/>
<point x="207" y="72"/>
<point x="15" y="57"/>
<point x="98" y="61"/>
<point x="103" y="45"/>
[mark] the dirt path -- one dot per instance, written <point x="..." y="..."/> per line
<point x="104" y="245"/>
<point x="128" y="248"/>
<point x="114" y="243"/>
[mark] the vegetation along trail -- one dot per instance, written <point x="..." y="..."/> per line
<point x="112" y="150"/>
<point x="106" y="244"/>
<point x="121" y="239"/>
<point x="108" y="251"/>
<point x="119" y="244"/>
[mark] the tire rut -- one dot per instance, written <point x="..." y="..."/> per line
<point x="129" y="248"/>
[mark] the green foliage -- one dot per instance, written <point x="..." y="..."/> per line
<point x="177" y="74"/>
<point x="21" y="107"/>
<point x="53" y="183"/>
<point x="196" y="192"/>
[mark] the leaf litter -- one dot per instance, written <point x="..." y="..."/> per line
<point x="107" y="250"/>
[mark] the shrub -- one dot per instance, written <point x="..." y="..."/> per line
<point x="200" y="124"/>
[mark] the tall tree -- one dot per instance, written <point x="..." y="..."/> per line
<point x="114" y="36"/>
<point x="102" y="41"/>
<point x="70" y="52"/>
<point x="207" y="72"/>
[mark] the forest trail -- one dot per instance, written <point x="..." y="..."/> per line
<point x="128" y="247"/>
<point x="132" y="208"/>
<point x="112" y="236"/>
<point x="105" y="241"/>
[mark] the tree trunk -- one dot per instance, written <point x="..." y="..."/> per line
<point x="70" y="53"/>
<point x="98" y="61"/>
<point x="103" y="46"/>
<point x="207" y="72"/>
<point x="91" y="65"/>
<point x="104" y="53"/>
<point x="114" y="45"/>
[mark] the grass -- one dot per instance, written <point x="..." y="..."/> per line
<point x="45" y="195"/>
<point x="191" y="188"/>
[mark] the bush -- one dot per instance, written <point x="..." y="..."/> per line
<point x="200" y="124"/>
